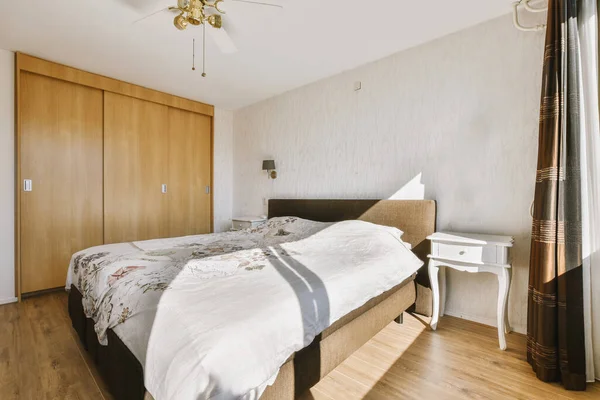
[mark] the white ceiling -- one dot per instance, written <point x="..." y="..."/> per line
<point x="279" y="49"/>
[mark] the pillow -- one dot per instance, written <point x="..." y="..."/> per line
<point x="287" y="229"/>
<point x="395" y="232"/>
<point x="285" y="226"/>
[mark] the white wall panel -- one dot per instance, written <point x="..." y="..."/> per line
<point x="223" y="176"/>
<point x="7" y="176"/>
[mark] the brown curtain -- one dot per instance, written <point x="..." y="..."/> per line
<point x="555" y="326"/>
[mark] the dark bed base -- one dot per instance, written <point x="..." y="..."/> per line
<point x="121" y="371"/>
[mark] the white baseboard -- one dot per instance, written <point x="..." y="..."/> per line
<point x="483" y="320"/>
<point x="8" y="301"/>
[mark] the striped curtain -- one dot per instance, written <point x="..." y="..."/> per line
<point x="555" y="326"/>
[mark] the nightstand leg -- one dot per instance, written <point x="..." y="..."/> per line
<point x="433" y="270"/>
<point x="507" y="327"/>
<point x="442" y="281"/>
<point x="503" y="285"/>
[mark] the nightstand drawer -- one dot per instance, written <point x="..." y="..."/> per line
<point x="465" y="253"/>
<point x="240" y="223"/>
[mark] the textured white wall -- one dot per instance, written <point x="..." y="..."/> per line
<point x="7" y="171"/>
<point x="462" y="110"/>
<point x="223" y="165"/>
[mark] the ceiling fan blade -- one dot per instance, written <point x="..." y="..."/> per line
<point x="154" y="13"/>
<point x="140" y="5"/>
<point x="258" y="3"/>
<point x="223" y="40"/>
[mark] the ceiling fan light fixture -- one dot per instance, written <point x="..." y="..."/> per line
<point x="183" y="4"/>
<point x="180" y="22"/>
<point x="217" y="6"/>
<point x="195" y="16"/>
<point x="215" y="21"/>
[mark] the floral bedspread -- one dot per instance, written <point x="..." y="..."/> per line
<point x="119" y="280"/>
<point x="216" y="316"/>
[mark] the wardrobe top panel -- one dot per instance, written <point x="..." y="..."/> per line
<point x="69" y="74"/>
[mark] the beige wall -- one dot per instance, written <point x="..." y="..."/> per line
<point x="7" y="194"/>
<point x="462" y="111"/>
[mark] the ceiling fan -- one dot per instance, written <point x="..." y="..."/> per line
<point x="205" y="12"/>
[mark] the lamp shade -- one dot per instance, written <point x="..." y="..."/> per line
<point x="268" y="165"/>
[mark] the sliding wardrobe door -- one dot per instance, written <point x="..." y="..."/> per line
<point x="61" y="166"/>
<point x="135" y="169"/>
<point x="189" y="173"/>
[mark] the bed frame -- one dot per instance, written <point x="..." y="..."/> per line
<point x="123" y="373"/>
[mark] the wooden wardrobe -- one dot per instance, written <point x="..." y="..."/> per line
<point x="102" y="161"/>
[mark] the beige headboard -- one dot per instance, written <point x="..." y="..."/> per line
<point x="416" y="218"/>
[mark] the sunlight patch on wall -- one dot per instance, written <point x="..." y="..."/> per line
<point x="413" y="190"/>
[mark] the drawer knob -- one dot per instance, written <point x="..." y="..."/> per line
<point x="462" y="252"/>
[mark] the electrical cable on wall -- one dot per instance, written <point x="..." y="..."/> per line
<point x="529" y="8"/>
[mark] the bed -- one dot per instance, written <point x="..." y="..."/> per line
<point x="119" y="361"/>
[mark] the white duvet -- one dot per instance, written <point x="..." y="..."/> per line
<point x="221" y="327"/>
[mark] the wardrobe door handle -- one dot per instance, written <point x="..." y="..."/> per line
<point x="163" y="188"/>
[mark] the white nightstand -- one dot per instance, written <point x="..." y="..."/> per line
<point x="470" y="253"/>
<point x="239" y="223"/>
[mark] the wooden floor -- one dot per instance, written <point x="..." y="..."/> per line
<point x="40" y="358"/>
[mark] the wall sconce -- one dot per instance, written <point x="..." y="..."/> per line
<point x="269" y="166"/>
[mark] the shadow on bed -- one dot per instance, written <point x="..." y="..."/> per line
<point x="314" y="306"/>
<point x="308" y="287"/>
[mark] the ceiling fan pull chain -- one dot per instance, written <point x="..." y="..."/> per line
<point x="259" y="3"/>
<point x="204" y="49"/>
<point x="193" y="54"/>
